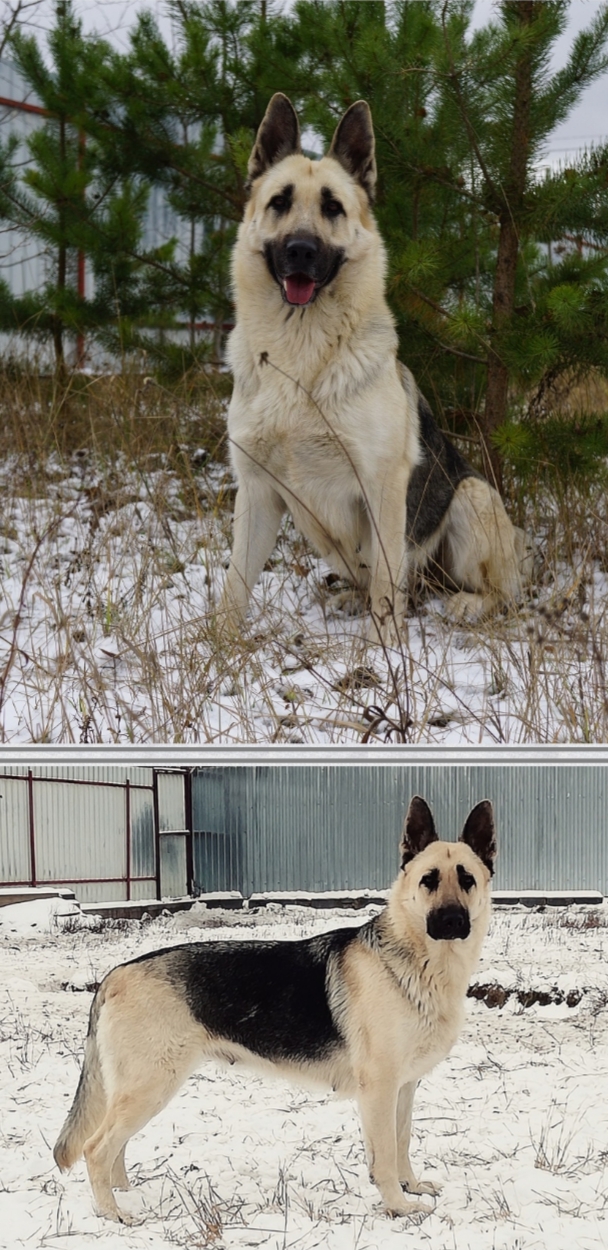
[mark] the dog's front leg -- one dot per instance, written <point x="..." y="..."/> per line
<point x="404" y="1130"/>
<point x="377" y="1099"/>
<point x="386" y="502"/>
<point x="257" y="515"/>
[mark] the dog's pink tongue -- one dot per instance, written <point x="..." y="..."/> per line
<point x="299" y="289"/>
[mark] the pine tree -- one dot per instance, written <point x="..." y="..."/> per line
<point x="461" y="121"/>
<point x="63" y="198"/>
<point x="185" y="120"/>
<point x="498" y="276"/>
<point x="508" y="108"/>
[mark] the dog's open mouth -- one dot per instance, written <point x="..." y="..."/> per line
<point x="299" y="288"/>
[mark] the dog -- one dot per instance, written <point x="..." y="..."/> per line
<point x="324" y="422"/>
<point x="366" y="1011"/>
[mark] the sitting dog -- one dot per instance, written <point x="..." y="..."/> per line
<point x="324" y="421"/>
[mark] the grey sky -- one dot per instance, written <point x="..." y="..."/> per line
<point x="587" y="123"/>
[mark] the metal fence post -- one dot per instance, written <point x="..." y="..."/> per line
<point x="30" y="794"/>
<point x="128" y="824"/>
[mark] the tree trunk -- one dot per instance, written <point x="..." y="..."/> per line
<point x="62" y="261"/>
<point x="509" y="216"/>
<point x="498" y="375"/>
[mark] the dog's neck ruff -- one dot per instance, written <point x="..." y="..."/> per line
<point x="430" y="965"/>
<point x="347" y="319"/>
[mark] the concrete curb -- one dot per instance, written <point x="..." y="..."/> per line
<point x="353" y="899"/>
<point x="10" y="894"/>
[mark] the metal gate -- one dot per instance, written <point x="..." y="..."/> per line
<point x="173" y="808"/>
<point x="96" y="836"/>
<point x="120" y="833"/>
<point x="98" y="831"/>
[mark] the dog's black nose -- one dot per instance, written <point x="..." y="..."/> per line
<point x="301" y="252"/>
<point x="444" y="924"/>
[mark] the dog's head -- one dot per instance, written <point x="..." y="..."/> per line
<point x="446" y="885"/>
<point x="306" y="218"/>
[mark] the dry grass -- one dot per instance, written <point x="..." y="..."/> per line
<point x="114" y="536"/>
<point x="128" y="414"/>
<point x="571" y="396"/>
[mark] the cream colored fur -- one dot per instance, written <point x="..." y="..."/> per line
<point x="406" y="1010"/>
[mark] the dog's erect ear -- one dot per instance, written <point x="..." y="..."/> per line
<point x="353" y="146"/>
<point x="480" y="833"/>
<point x="278" y="136"/>
<point x="418" y="830"/>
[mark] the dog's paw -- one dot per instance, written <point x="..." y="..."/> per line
<point x="130" y="1220"/>
<point x="109" y="1213"/>
<point x="119" y="1216"/>
<point x="228" y="622"/>
<point x="465" y="608"/>
<point x="346" y="603"/>
<point x="384" y="633"/>
<point x="421" y="1187"/>
<point x="416" y="1211"/>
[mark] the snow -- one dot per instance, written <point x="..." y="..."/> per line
<point x="41" y="915"/>
<point x="513" y="1125"/>
<point x="110" y="577"/>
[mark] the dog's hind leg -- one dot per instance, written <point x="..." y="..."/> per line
<point x="104" y="1151"/>
<point x="129" y="1111"/>
<point x="148" y="1044"/>
<point x="120" y="1180"/>
<point x="377" y="1100"/>
<point x="407" y="1178"/>
<point x="485" y="554"/>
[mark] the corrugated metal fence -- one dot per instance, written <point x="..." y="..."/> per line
<point x="312" y="828"/>
<point x="114" y="833"/>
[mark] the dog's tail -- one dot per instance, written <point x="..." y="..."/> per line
<point x="89" y="1105"/>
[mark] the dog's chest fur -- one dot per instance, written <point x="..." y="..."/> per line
<point x="403" y="1007"/>
<point x="433" y="1006"/>
<point x="311" y="411"/>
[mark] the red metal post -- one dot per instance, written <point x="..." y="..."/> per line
<point x="190" y="829"/>
<point x="156" y="829"/>
<point x="128" y="822"/>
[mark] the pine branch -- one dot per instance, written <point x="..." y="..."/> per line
<point x="455" y="80"/>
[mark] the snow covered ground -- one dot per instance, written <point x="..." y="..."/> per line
<point x="107" y="634"/>
<point x="514" y="1124"/>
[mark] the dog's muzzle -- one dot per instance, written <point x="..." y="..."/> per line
<point x="445" y="924"/>
<point x="302" y="264"/>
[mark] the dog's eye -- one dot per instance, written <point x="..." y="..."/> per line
<point x="466" y="879"/>
<point x="430" y="880"/>
<point x="280" y="203"/>
<point x="332" y="208"/>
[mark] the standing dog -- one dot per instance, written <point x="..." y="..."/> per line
<point x="367" y="1011"/>
<point x="323" y="420"/>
